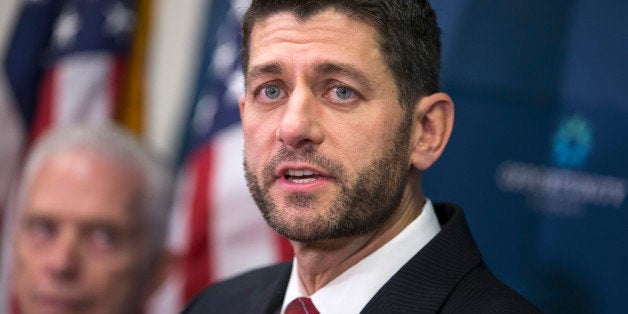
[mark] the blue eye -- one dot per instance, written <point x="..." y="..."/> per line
<point x="343" y="93"/>
<point x="272" y="92"/>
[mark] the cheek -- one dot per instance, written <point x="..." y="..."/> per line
<point x="109" y="271"/>
<point x="26" y="262"/>
<point x="252" y="153"/>
<point x="360" y="140"/>
<point x="259" y="141"/>
<point x="24" y="271"/>
<point x="114" y="282"/>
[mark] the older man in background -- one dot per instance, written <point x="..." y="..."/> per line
<point x="91" y="218"/>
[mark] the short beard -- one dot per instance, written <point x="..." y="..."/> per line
<point x="359" y="208"/>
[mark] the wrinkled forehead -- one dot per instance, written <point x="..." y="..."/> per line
<point x="302" y="17"/>
<point x="322" y="28"/>
<point x="249" y="24"/>
<point x="77" y="156"/>
<point x="81" y="161"/>
<point x="82" y="178"/>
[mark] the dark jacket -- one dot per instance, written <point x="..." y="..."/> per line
<point x="447" y="276"/>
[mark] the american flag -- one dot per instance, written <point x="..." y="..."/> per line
<point x="67" y="61"/>
<point x="217" y="229"/>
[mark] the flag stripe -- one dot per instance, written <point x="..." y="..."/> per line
<point x="43" y="115"/>
<point x="85" y="86"/>
<point x="225" y="223"/>
<point x="241" y="239"/>
<point x="119" y="68"/>
<point x="197" y="262"/>
<point x="283" y="248"/>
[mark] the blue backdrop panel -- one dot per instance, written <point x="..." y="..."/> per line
<point x="539" y="150"/>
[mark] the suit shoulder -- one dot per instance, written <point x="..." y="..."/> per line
<point x="251" y="280"/>
<point x="241" y="290"/>
<point x="481" y="292"/>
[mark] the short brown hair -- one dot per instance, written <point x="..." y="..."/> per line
<point x="409" y="36"/>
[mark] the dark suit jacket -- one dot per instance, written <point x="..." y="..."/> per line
<point x="448" y="276"/>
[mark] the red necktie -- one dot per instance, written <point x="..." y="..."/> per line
<point x="301" y="306"/>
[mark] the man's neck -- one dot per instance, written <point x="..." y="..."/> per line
<point x="321" y="262"/>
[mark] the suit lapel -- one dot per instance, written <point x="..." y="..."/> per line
<point x="426" y="281"/>
<point x="270" y="298"/>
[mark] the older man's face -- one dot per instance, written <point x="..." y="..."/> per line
<point x="78" y="247"/>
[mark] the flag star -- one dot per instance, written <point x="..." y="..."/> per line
<point x="224" y="57"/>
<point x="235" y="86"/>
<point x="236" y="6"/>
<point x="119" y="20"/>
<point x="66" y="29"/>
<point x="204" y="113"/>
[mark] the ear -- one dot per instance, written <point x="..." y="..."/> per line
<point x="433" y="121"/>
<point x="241" y="105"/>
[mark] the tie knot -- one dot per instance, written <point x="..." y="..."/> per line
<point x="301" y="306"/>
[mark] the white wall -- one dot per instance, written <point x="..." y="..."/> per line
<point x="10" y="127"/>
<point x="175" y="41"/>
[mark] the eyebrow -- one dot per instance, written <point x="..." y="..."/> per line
<point x="259" y="70"/>
<point x="325" y="68"/>
<point x="322" y="68"/>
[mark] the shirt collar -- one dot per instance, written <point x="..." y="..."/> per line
<point x="354" y="288"/>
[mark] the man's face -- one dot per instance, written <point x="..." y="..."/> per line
<point x="78" y="248"/>
<point x="326" y="141"/>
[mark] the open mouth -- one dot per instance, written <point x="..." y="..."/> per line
<point x="301" y="175"/>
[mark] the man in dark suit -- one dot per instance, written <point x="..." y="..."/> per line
<point x="341" y="114"/>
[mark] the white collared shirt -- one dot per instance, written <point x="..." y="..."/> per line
<point x="353" y="289"/>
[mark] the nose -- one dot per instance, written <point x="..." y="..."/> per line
<point x="63" y="260"/>
<point x="300" y="123"/>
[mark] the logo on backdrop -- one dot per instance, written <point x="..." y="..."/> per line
<point x="563" y="189"/>
<point x="572" y="142"/>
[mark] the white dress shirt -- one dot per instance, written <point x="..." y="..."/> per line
<point x="354" y="288"/>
